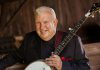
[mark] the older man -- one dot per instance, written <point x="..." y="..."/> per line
<point x="40" y="44"/>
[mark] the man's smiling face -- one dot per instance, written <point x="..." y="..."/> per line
<point x="45" y="26"/>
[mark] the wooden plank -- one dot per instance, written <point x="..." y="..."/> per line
<point x="16" y="67"/>
<point x="92" y="49"/>
<point x="93" y="53"/>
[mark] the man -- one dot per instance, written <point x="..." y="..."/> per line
<point x="41" y="45"/>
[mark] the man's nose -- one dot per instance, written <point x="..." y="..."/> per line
<point x="42" y="26"/>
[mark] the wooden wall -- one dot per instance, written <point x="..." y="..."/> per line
<point x="16" y="18"/>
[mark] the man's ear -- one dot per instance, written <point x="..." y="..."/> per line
<point x="56" y="22"/>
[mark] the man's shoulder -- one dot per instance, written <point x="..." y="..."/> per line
<point x="31" y="34"/>
<point x="63" y="33"/>
<point x="67" y="33"/>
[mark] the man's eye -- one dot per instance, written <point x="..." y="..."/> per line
<point x="37" y="22"/>
<point x="46" y="22"/>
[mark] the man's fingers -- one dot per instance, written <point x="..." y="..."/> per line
<point x="54" y="61"/>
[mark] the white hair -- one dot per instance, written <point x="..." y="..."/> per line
<point x="44" y="9"/>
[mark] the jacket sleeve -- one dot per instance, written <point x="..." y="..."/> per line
<point x="79" y="62"/>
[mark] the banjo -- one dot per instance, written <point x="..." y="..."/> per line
<point x="40" y="64"/>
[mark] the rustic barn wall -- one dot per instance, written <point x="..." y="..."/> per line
<point x="17" y="18"/>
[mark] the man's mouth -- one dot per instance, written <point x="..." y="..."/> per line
<point x="43" y="31"/>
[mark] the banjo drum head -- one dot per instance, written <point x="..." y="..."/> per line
<point x="38" y="65"/>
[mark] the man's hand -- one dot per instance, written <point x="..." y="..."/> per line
<point x="54" y="61"/>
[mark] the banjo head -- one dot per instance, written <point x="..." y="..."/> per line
<point x="38" y="65"/>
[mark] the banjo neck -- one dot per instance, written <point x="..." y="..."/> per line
<point x="72" y="32"/>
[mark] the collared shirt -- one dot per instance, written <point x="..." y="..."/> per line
<point x="47" y="47"/>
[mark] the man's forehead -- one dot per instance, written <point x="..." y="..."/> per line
<point x="43" y="16"/>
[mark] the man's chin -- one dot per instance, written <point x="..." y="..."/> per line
<point x="45" y="38"/>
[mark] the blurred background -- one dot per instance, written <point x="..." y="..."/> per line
<point x="17" y="19"/>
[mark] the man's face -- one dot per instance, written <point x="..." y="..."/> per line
<point x="45" y="26"/>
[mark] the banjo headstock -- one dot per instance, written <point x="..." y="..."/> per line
<point x="95" y="8"/>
